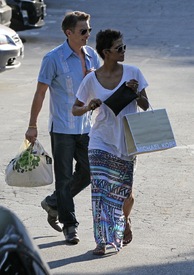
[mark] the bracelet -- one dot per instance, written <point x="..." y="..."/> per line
<point x="32" y="126"/>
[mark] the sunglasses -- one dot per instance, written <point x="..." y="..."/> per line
<point x="84" y="31"/>
<point x="121" y="48"/>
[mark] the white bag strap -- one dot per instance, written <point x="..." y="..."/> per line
<point x="150" y="107"/>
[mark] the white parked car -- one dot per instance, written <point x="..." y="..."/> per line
<point x="5" y="13"/>
<point x="11" y="49"/>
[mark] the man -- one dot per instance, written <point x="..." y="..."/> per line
<point x="62" y="71"/>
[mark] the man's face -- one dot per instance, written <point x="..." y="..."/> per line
<point x="79" y="36"/>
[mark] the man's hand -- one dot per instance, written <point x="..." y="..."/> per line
<point x="31" y="135"/>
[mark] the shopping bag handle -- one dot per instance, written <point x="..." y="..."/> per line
<point x="150" y="106"/>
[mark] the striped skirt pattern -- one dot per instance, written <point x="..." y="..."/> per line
<point x="111" y="183"/>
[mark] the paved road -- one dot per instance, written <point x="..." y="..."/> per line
<point x="159" y="38"/>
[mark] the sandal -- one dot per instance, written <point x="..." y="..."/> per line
<point x="128" y="236"/>
<point x="100" y="249"/>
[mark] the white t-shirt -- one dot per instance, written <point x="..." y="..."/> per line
<point x="107" y="132"/>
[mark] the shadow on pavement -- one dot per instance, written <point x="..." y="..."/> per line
<point x="180" y="268"/>
<point x="88" y="256"/>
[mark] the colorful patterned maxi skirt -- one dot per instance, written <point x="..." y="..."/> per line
<point x="111" y="183"/>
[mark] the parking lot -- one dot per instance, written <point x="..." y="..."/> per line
<point x="159" y="39"/>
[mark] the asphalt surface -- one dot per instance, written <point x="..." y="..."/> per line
<point x="160" y="41"/>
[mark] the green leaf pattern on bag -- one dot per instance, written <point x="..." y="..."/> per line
<point x="27" y="161"/>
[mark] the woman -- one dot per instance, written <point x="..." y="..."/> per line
<point x="111" y="168"/>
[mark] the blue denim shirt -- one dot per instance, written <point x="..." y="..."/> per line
<point x="61" y="69"/>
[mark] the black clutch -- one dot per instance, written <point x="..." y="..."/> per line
<point x="120" y="98"/>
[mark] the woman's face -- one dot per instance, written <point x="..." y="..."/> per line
<point x="118" y="50"/>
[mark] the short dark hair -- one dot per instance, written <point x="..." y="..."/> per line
<point x="71" y="18"/>
<point x="105" y="40"/>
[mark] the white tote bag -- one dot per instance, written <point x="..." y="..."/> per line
<point x="148" y="131"/>
<point x="32" y="167"/>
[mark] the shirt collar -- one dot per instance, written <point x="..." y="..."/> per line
<point x="68" y="51"/>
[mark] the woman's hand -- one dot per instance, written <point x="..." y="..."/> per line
<point x="94" y="103"/>
<point x="79" y="108"/>
<point x="133" y="84"/>
<point x="142" y="100"/>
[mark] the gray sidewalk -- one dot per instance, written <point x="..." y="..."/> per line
<point x="160" y="41"/>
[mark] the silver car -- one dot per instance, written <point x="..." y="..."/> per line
<point x="11" y="49"/>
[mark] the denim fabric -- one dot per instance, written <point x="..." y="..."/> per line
<point x="65" y="149"/>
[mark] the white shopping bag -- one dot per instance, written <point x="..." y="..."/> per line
<point x="32" y="167"/>
<point x="148" y="131"/>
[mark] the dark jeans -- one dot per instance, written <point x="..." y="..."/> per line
<point x="65" y="148"/>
